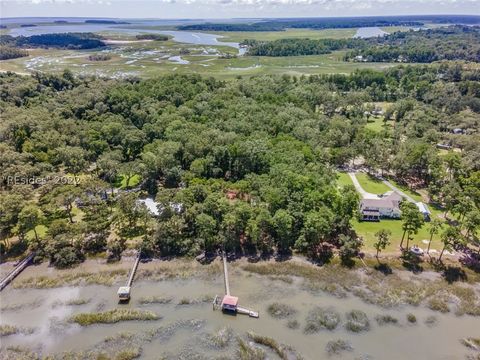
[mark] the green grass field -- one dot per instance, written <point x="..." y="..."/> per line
<point x="343" y="179"/>
<point x="372" y="185"/>
<point x="239" y="36"/>
<point x="367" y="231"/>
<point x="377" y="124"/>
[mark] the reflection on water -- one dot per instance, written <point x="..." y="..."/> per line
<point x="185" y="329"/>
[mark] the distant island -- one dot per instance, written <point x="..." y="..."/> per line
<point x="100" y="21"/>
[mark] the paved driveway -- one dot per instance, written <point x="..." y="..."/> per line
<point x="358" y="187"/>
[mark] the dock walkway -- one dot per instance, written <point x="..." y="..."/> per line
<point x="16" y="271"/>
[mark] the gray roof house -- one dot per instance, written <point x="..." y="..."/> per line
<point x="387" y="206"/>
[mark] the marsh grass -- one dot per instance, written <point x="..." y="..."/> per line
<point x="247" y="352"/>
<point x="128" y="354"/>
<point x="194" y="301"/>
<point x="438" y="304"/>
<point x="79" y="301"/>
<point x="386" y="319"/>
<point x="155" y="300"/>
<point x="336" y="347"/>
<point x="321" y="318"/>
<point x="107" y="278"/>
<point x="7" y="330"/>
<point x="113" y="316"/>
<point x="180" y="269"/>
<point x="471" y="343"/>
<point x="280" y="310"/>
<point x="21" y="306"/>
<point x="221" y="338"/>
<point x="279" y="349"/>
<point x="357" y="321"/>
<point x="18" y="353"/>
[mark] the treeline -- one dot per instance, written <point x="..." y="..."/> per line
<point x="156" y="37"/>
<point x="298" y="47"/>
<point x="424" y="46"/>
<point x="246" y="164"/>
<point x="104" y="21"/>
<point x="99" y="57"/>
<point x="60" y="40"/>
<point x="9" y="52"/>
<point x="332" y="23"/>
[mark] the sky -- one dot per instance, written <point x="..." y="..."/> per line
<point x="211" y="9"/>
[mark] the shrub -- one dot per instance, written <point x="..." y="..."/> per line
<point x="99" y="57"/>
<point x="357" y="321"/>
<point x="321" y="318"/>
<point x="412" y="319"/>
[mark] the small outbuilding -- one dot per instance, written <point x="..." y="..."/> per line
<point x="123" y="293"/>
<point x="424" y="210"/>
<point x="230" y="303"/>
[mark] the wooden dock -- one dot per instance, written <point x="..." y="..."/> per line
<point x="16" y="271"/>
<point x="229" y="303"/>
<point x="225" y="275"/>
<point x="124" y="291"/>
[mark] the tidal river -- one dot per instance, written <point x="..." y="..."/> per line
<point x="187" y="37"/>
<point x="180" y="294"/>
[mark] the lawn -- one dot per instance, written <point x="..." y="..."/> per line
<point x="343" y="179"/>
<point x="368" y="229"/>
<point x="372" y="185"/>
<point x="377" y="124"/>
<point x="41" y="232"/>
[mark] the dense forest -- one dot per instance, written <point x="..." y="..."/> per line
<point x="156" y="37"/>
<point x="60" y="40"/>
<point x="9" y="52"/>
<point x="424" y="46"/>
<point x="334" y="23"/>
<point x="247" y="164"/>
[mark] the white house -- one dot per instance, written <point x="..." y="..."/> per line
<point x="387" y="206"/>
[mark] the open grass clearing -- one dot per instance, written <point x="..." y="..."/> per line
<point x="239" y="36"/>
<point x="371" y="185"/>
<point x="367" y="230"/>
<point x="344" y="179"/>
